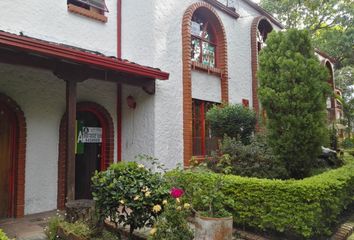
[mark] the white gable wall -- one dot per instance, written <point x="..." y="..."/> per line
<point x="50" y="20"/>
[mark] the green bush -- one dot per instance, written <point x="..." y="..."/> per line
<point x="3" y="235"/>
<point x="305" y="208"/>
<point x="348" y="143"/>
<point x="133" y="189"/>
<point x="253" y="160"/>
<point x="293" y="91"/>
<point x="234" y="121"/>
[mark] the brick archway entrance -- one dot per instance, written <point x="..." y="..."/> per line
<point x="15" y="150"/>
<point x="106" y="123"/>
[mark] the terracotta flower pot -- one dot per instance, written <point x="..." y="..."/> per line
<point x="207" y="228"/>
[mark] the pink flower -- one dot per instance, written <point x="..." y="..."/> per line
<point x="176" y="192"/>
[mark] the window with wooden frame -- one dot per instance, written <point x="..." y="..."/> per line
<point x="90" y="8"/>
<point x="203" y="141"/>
<point x="204" y="42"/>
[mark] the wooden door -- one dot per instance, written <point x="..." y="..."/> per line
<point x="7" y="145"/>
<point x="88" y="156"/>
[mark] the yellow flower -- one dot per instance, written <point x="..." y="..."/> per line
<point x="147" y="194"/>
<point x="186" y="205"/>
<point x="153" y="231"/>
<point x="122" y="202"/>
<point x="145" y="189"/>
<point x="178" y="200"/>
<point x="157" y="208"/>
<point x="179" y="208"/>
<point x="141" y="166"/>
<point x="136" y="197"/>
<point x="164" y="202"/>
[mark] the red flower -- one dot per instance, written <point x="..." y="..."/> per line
<point x="176" y="192"/>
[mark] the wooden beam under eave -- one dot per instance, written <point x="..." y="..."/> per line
<point x="71" y="95"/>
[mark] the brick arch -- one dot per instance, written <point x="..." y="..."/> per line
<point x="254" y="57"/>
<point x="326" y="63"/>
<point x="221" y="59"/>
<point x="20" y="156"/>
<point x="106" y="122"/>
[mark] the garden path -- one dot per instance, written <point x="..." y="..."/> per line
<point x="28" y="228"/>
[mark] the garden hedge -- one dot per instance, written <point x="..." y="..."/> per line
<point x="305" y="208"/>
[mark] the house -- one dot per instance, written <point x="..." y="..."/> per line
<point x="84" y="83"/>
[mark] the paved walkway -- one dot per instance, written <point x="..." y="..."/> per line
<point x="28" y="228"/>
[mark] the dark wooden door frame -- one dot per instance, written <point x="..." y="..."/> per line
<point x="107" y="151"/>
<point x="19" y="157"/>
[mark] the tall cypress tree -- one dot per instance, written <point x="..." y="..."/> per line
<point x="293" y="91"/>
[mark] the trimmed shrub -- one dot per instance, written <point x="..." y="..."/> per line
<point x="253" y="160"/>
<point x="305" y="208"/>
<point x="235" y="121"/>
<point x="293" y="91"/>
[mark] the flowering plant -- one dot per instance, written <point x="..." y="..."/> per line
<point x="129" y="194"/>
<point x="172" y="224"/>
<point x="176" y="192"/>
<point x="206" y="200"/>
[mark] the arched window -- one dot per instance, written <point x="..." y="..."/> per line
<point x="263" y="29"/>
<point x="260" y="29"/>
<point x="205" y="50"/>
<point x="203" y="40"/>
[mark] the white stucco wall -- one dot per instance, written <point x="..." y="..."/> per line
<point x="41" y="96"/>
<point x="138" y="125"/>
<point x="158" y="43"/>
<point x="51" y="21"/>
<point x="206" y="87"/>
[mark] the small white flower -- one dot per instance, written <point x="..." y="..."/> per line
<point x="136" y="197"/>
<point x="157" y="208"/>
<point x="141" y="166"/>
<point x="186" y="205"/>
<point x="147" y="194"/>
<point x="153" y="231"/>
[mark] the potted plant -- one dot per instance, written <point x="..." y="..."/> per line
<point x="211" y="218"/>
<point x="212" y="221"/>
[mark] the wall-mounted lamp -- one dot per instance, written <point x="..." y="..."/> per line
<point x="131" y="102"/>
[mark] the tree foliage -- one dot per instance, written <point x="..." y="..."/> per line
<point x="329" y="21"/>
<point x="234" y="121"/>
<point x="293" y="91"/>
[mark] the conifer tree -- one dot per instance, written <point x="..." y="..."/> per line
<point x="293" y="91"/>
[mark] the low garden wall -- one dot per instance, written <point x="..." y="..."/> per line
<point x="305" y="208"/>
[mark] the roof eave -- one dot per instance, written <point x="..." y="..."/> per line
<point x="54" y="50"/>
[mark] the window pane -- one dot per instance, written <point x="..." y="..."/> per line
<point x="195" y="50"/>
<point x="208" y="54"/>
<point x="203" y="142"/>
<point x="99" y="4"/>
<point x="197" y="128"/>
<point x="196" y="28"/>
